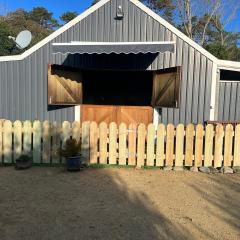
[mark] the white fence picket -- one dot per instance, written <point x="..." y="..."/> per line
<point x="17" y="139"/>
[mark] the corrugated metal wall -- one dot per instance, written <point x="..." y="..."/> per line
<point x="229" y="101"/>
<point x="24" y="83"/>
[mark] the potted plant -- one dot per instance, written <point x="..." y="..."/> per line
<point x="71" y="152"/>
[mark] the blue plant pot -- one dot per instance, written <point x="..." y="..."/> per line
<point x="73" y="163"/>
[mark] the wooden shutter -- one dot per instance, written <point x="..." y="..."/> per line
<point x="166" y="88"/>
<point x="64" y="85"/>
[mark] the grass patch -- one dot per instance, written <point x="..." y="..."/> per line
<point x="97" y="166"/>
<point x="151" y="168"/>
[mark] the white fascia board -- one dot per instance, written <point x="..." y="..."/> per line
<point x="75" y="43"/>
<point x="229" y="65"/>
<point x="174" y="30"/>
<point x="55" y="34"/>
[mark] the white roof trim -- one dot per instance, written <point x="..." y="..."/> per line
<point x="73" y="43"/>
<point x="55" y="34"/>
<point x="229" y="65"/>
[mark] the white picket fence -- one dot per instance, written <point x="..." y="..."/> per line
<point x="191" y="145"/>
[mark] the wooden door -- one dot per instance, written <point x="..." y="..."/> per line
<point x="98" y="113"/>
<point x="136" y="115"/>
<point x="166" y="88"/>
<point x="64" y="85"/>
<point x="118" y="114"/>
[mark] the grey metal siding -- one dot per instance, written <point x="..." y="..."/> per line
<point x="229" y="101"/>
<point x="24" y="93"/>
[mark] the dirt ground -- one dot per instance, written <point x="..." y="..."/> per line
<point x="49" y="203"/>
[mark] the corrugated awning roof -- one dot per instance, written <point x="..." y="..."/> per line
<point x="113" y="47"/>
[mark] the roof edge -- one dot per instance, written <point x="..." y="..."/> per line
<point x="54" y="34"/>
<point x="174" y="30"/>
<point x="229" y="65"/>
<point x="221" y="63"/>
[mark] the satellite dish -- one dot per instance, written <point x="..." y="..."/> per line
<point x="23" y="39"/>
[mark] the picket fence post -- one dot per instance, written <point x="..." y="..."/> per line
<point x="208" y="153"/>
<point x="179" y="145"/>
<point x="219" y="134"/>
<point x="160" y="152"/>
<point x="7" y="141"/>
<point x="122" y="144"/>
<point x="94" y="135"/>
<point x="85" y="142"/>
<point x="132" y="144"/>
<point x="113" y="143"/>
<point x="228" y="144"/>
<point x="103" y="143"/>
<point x="141" y="138"/>
<point x="150" y="145"/>
<point x="46" y="135"/>
<point x="37" y="136"/>
<point x="236" y="159"/>
<point x="17" y="139"/>
<point x="170" y="145"/>
<point x="56" y="142"/>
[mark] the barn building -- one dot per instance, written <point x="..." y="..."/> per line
<point x="119" y="61"/>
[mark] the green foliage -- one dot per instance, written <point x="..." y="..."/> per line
<point x="15" y="22"/>
<point x="68" y="16"/>
<point x="43" y="17"/>
<point x="6" y="45"/>
<point x="224" y="52"/>
<point x="72" y="148"/>
<point x="165" y="8"/>
<point x="94" y="2"/>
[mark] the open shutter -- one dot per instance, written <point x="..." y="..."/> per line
<point x="166" y="88"/>
<point x="64" y="85"/>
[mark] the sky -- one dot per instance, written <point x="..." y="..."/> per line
<point x="60" y="6"/>
<point x="57" y="7"/>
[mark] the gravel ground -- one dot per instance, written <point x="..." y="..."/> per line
<point x="49" y="203"/>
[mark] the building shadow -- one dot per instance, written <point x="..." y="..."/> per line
<point x="110" y="61"/>
<point x="92" y="204"/>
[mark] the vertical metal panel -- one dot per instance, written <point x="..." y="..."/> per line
<point x="196" y="83"/>
<point x="23" y="84"/>
<point x="189" y="95"/>
<point x="229" y="101"/>
<point x="201" y="90"/>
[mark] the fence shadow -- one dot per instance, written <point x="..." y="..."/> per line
<point x="94" y="204"/>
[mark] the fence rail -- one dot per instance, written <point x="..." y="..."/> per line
<point x="191" y="145"/>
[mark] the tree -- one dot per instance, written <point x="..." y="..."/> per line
<point x="94" y="2"/>
<point x="43" y="17"/>
<point x="6" y="45"/>
<point x="199" y="16"/>
<point x="15" y="22"/>
<point x="68" y="16"/>
<point x="165" y="8"/>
